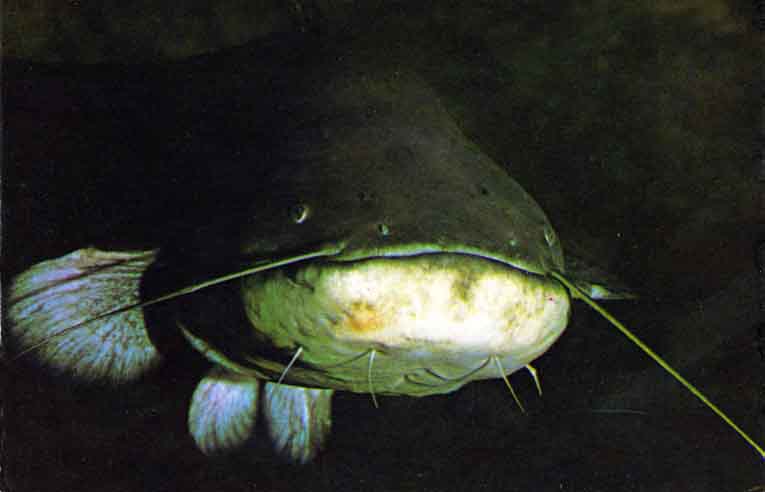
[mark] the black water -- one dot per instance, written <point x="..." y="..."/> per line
<point x="127" y="154"/>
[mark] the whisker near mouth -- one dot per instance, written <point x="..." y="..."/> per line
<point x="507" y="383"/>
<point x="369" y="378"/>
<point x="291" y="363"/>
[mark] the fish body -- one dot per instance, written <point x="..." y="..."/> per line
<point x="384" y="254"/>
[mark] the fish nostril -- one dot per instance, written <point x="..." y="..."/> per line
<point x="299" y="213"/>
<point x="365" y="196"/>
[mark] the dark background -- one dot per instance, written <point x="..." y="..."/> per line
<point x="635" y="128"/>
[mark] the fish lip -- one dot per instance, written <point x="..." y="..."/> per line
<point x="417" y="249"/>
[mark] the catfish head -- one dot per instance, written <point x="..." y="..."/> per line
<point x="428" y="265"/>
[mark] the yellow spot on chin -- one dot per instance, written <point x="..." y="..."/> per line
<point x="364" y="317"/>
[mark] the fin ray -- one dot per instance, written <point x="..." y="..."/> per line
<point x="223" y="411"/>
<point x="298" y="419"/>
<point x="49" y="298"/>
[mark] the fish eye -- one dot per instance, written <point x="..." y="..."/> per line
<point x="299" y="213"/>
<point x="383" y="229"/>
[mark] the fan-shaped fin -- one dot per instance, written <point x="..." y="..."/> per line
<point x="299" y="419"/>
<point x="223" y="411"/>
<point x="66" y="313"/>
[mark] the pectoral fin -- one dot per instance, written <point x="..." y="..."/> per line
<point x="594" y="281"/>
<point x="59" y="313"/>
<point x="299" y="419"/>
<point x="223" y="411"/>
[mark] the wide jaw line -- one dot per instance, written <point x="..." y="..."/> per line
<point x="417" y="249"/>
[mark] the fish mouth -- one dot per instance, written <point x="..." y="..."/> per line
<point x="536" y="266"/>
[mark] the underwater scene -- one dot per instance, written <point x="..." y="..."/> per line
<point x="367" y="246"/>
